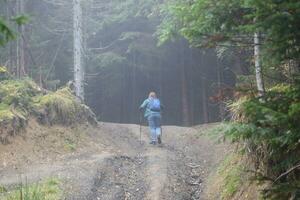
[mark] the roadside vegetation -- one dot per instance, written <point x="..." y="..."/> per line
<point x="46" y="190"/>
<point x="268" y="130"/>
<point x="264" y="109"/>
<point x="23" y="99"/>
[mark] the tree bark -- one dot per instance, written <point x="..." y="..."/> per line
<point x="204" y="101"/>
<point x="20" y="42"/>
<point x="77" y="50"/>
<point x="184" y="97"/>
<point x="219" y="77"/>
<point x="184" y="88"/>
<point x="9" y="65"/>
<point x="258" y="71"/>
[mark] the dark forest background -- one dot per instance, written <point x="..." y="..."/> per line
<point x="122" y="60"/>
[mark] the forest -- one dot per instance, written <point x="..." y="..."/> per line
<point x="230" y="64"/>
<point x="122" y="60"/>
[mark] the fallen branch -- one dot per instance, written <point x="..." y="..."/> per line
<point x="286" y="173"/>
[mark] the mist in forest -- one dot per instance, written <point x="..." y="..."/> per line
<point x="122" y="60"/>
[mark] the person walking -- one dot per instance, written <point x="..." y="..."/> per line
<point x="153" y="107"/>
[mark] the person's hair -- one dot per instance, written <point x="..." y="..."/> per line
<point x="152" y="95"/>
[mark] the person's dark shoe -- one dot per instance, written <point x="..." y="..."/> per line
<point x="159" y="139"/>
<point x="152" y="142"/>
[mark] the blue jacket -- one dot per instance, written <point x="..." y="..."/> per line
<point x="148" y="112"/>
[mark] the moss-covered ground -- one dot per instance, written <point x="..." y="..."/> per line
<point x="22" y="99"/>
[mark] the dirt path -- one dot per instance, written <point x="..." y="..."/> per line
<point x="127" y="168"/>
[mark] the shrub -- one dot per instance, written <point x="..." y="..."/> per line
<point x="62" y="107"/>
<point x="15" y="106"/>
<point x="3" y="73"/>
<point x="269" y="128"/>
<point x="20" y="99"/>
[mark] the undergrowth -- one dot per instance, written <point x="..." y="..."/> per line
<point x="268" y="131"/>
<point x="231" y="171"/>
<point x="22" y="99"/>
<point x="47" y="190"/>
<point x="61" y="107"/>
<point x="231" y="180"/>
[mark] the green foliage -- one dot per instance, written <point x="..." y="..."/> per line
<point x="18" y="92"/>
<point x="208" y="23"/>
<point x="228" y="179"/>
<point x="119" y="11"/>
<point x="231" y="170"/>
<point x="16" y="103"/>
<point x="107" y="59"/>
<point x="3" y="73"/>
<point x="20" y="99"/>
<point x="2" y="189"/>
<point x="47" y="190"/>
<point x="278" y="20"/>
<point x="16" y="98"/>
<point x="6" y="33"/>
<point x="61" y="107"/>
<point x="270" y="129"/>
<point x="5" y="112"/>
<point x="23" y="97"/>
<point x="70" y="144"/>
<point x="202" y="22"/>
<point x="21" y="19"/>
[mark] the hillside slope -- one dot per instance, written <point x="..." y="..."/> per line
<point x="22" y="100"/>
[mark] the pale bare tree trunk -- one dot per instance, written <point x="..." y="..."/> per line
<point x="258" y="71"/>
<point x="8" y="16"/>
<point x="78" y="50"/>
<point x="20" y="43"/>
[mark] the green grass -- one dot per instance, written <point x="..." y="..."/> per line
<point x="20" y="99"/>
<point x="2" y="189"/>
<point x="62" y="106"/>
<point x="16" y="95"/>
<point x="231" y="172"/>
<point x="47" y="190"/>
<point x="70" y="145"/>
<point x="5" y="113"/>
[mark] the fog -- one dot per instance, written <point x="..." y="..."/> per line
<point x="121" y="58"/>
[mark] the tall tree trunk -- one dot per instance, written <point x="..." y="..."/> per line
<point x="78" y="38"/>
<point x="204" y="101"/>
<point x="184" y="98"/>
<point x="184" y="87"/>
<point x="7" y="18"/>
<point x="20" y="42"/>
<point x="160" y="77"/>
<point x="258" y="71"/>
<point x="221" y="103"/>
<point x="191" y="72"/>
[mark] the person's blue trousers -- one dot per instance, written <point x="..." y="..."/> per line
<point x="154" y="122"/>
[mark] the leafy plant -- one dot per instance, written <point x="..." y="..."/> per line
<point x="269" y="129"/>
